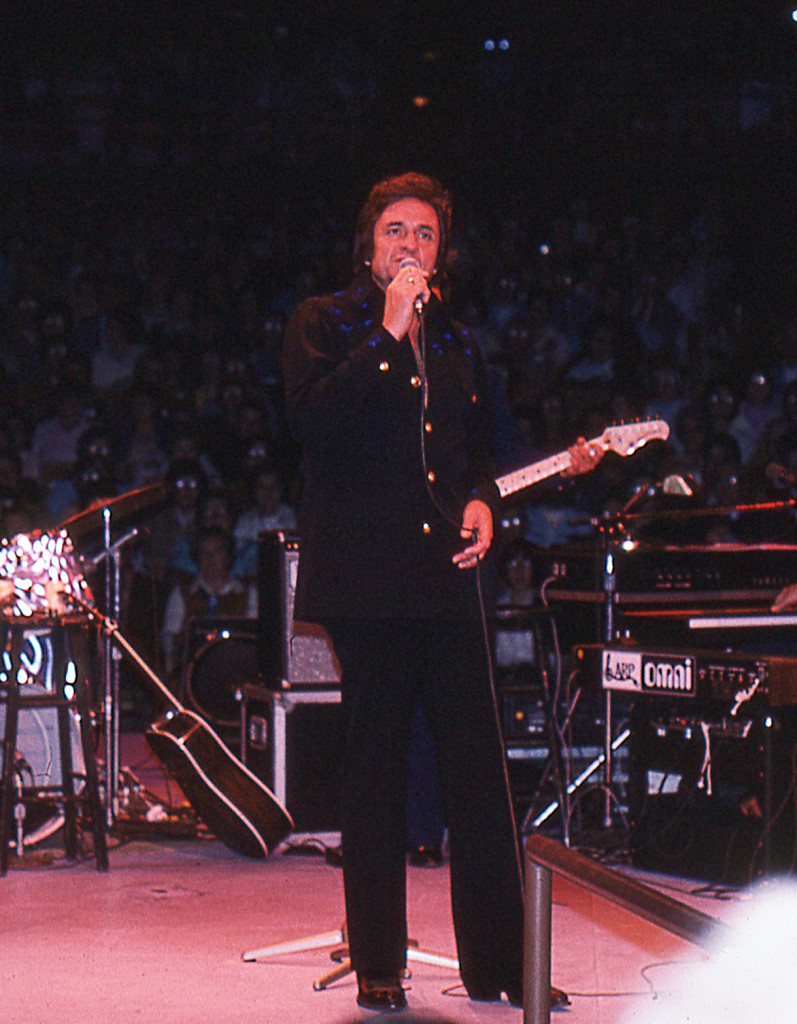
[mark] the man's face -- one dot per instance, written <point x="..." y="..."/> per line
<point x="213" y="558"/>
<point x="406" y="228"/>
<point x="267" y="492"/>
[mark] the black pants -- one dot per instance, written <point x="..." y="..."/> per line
<point x="426" y="821"/>
<point x="385" y="666"/>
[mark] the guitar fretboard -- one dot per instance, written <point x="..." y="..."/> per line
<point x="520" y="478"/>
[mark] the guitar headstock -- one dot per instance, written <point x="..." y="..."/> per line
<point x="625" y="438"/>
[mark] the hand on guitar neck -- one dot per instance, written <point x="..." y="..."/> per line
<point x="584" y="457"/>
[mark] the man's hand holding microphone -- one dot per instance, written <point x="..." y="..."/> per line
<point x="405" y="298"/>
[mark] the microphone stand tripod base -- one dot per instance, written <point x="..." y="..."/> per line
<point x="341" y="955"/>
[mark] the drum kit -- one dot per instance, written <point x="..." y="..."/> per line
<point x="47" y="610"/>
<point x="44" y="598"/>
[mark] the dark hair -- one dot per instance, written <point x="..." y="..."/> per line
<point x="212" y="493"/>
<point x="391" y="190"/>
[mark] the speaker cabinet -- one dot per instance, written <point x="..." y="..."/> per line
<point x="292" y="654"/>
<point x="704" y="798"/>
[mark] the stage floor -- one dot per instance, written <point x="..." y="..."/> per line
<point x="160" y="937"/>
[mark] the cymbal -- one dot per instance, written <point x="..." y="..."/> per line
<point x="123" y="505"/>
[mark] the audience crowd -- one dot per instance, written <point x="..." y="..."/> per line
<point x="147" y="269"/>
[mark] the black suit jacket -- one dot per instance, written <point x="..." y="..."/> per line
<point x="385" y="481"/>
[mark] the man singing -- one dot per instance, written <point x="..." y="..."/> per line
<point x="388" y="398"/>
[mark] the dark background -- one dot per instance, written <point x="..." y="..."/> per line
<point x="628" y="103"/>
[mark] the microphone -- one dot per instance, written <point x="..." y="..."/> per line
<point x="674" y="484"/>
<point x="410" y="261"/>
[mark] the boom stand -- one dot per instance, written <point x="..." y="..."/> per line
<point x="341" y="955"/>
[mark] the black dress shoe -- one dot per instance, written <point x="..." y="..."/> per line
<point x="489" y="990"/>
<point x="514" y="994"/>
<point x="380" y="993"/>
<point x="559" y="999"/>
<point x="487" y="994"/>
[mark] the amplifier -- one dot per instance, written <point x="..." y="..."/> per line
<point x="670" y="576"/>
<point x="732" y="678"/>
<point x="707" y="795"/>
<point x="292" y="654"/>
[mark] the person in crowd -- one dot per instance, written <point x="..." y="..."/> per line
<point x="668" y="397"/>
<point x="267" y="510"/>
<point x="595" y="369"/>
<point x="389" y="398"/>
<point x="719" y="404"/>
<point x="758" y="406"/>
<point x="172" y="532"/>
<point x="515" y="649"/>
<point x="140" y="439"/>
<point x="87" y="315"/>
<point x="215" y="509"/>
<point x="688" y="440"/>
<point x="213" y="591"/>
<point x="54" y="448"/>
<point x="184" y="444"/>
<point x="93" y="474"/>
<point x="113" y="364"/>
<point x="517" y="575"/>
<point x="779" y="436"/>
<point x="19" y="496"/>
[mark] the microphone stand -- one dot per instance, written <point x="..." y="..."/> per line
<point x="112" y="556"/>
<point x="609" y="599"/>
<point x="610" y="530"/>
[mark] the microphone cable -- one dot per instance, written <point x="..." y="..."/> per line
<point x="485" y="630"/>
<point x="433" y="497"/>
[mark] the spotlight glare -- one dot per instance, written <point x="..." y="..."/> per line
<point x="504" y="44"/>
<point x="489" y="44"/>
